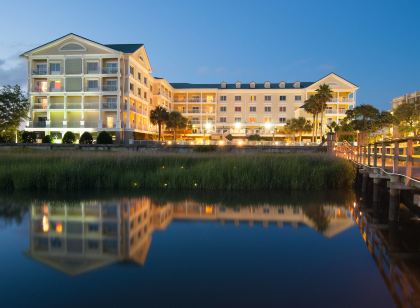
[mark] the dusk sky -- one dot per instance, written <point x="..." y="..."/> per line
<point x="374" y="44"/>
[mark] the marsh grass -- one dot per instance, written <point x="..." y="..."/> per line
<point x="105" y="171"/>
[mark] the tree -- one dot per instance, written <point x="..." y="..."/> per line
<point x="176" y="121"/>
<point x="407" y="117"/>
<point x="86" y="138"/>
<point x="47" y="139"/>
<point x="324" y="95"/>
<point x="104" y="138"/>
<point x="159" y="116"/>
<point x="332" y="127"/>
<point x="363" y="118"/>
<point x="13" y="109"/>
<point x="298" y="126"/>
<point x="69" y="138"/>
<point x="28" y="137"/>
<point x="313" y="107"/>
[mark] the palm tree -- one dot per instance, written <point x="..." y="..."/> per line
<point x="159" y="116"/>
<point x="298" y="126"/>
<point x="176" y="121"/>
<point x="324" y="95"/>
<point x="311" y="106"/>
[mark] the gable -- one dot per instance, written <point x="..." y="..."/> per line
<point x="71" y="45"/>
<point x="335" y="82"/>
<point x="142" y="57"/>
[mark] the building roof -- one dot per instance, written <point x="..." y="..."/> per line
<point x="273" y="85"/>
<point x="125" y="48"/>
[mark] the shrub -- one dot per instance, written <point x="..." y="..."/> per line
<point x="47" y="139"/>
<point x="254" y="137"/>
<point x="104" y="138"/>
<point x="86" y="138"/>
<point x="229" y="137"/>
<point x="205" y="148"/>
<point x="69" y="138"/>
<point x="28" y="137"/>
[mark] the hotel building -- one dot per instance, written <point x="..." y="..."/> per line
<point x="76" y="84"/>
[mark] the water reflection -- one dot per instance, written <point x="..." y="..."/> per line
<point x="77" y="237"/>
<point x="396" y="251"/>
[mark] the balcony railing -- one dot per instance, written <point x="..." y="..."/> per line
<point x="91" y="105"/>
<point x="193" y="100"/>
<point x="92" y="71"/>
<point x="56" y="124"/>
<point x="105" y="125"/>
<point x="342" y="100"/>
<point x="92" y="89"/>
<point x="91" y="124"/>
<point x="40" y="89"/>
<point x="40" y="106"/>
<point x="39" y="124"/>
<point x="110" y="70"/>
<point x="73" y="124"/>
<point x="57" y="106"/>
<point x="109" y="105"/>
<point x="54" y="89"/>
<point x="74" y="105"/>
<point x="40" y="71"/>
<point x="109" y="88"/>
<point x="335" y="111"/>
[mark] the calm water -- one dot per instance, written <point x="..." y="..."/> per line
<point x="228" y="250"/>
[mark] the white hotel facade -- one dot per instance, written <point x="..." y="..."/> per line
<point x="78" y="85"/>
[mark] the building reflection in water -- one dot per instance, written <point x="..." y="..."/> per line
<point x="395" y="250"/>
<point x="78" y="237"/>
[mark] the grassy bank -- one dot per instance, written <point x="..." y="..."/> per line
<point x="75" y="171"/>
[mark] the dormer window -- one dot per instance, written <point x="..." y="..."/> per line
<point x="238" y="85"/>
<point x="223" y="85"/>
<point x="282" y="85"/>
<point x="252" y="85"/>
<point x="267" y="85"/>
<point x="296" y="84"/>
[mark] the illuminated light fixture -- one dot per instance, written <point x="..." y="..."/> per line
<point x="240" y="143"/>
<point x="208" y="126"/>
<point x="59" y="227"/>
<point x="208" y="209"/>
<point x="45" y="224"/>
<point x="354" y="204"/>
<point x="238" y="125"/>
<point x="267" y="125"/>
<point x="221" y="142"/>
<point x="169" y="142"/>
<point x="192" y="142"/>
<point x="276" y="143"/>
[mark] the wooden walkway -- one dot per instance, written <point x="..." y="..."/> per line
<point x="398" y="160"/>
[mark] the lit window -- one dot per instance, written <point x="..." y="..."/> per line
<point x="252" y="109"/>
<point x="238" y="108"/>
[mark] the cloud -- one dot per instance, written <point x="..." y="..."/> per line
<point x="13" y="72"/>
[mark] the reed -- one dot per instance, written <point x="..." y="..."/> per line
<point x="81" y="171"/>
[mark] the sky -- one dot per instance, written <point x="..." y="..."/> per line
<point x="374" y="44"/>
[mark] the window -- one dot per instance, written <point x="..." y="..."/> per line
<point x="282" y="120"/>
<point x="253" y="98"/>
<point x="131" y="87"/>
<point x="252" y="109"/>
<point x="222" y="108"/>
<point x="92" y="67"/>
<point x="267" y="98"/>
<point x="238" y="108"/>
<point x="93" y="84"/>
<point x="145" y="95"/>
<point x="131" y="71"/>
<point x="282" y="109"/>
<point x="55" y="68"/>
<point x="238" y="120"/>
<point x="237" y="98"/>
<point x="267" y="108"/>
<point x="145" y="81"/>
<point x="195" y="109"/>
<point x="139" y="76"/>
<point x="282" y="97"/>
<point x="252" y="119"/>
<point x="223" y="98"/>
<point x="222" y="120"/>
<point x="139" y="92"/>
<point x="55" y="85"/>
<point x="298" y="98"/>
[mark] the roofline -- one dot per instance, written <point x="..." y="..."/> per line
<point x="25" y="54"/>
<point x="332" y="73"/>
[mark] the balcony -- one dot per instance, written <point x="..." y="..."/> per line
<point x="109" y="88"/>
<point x="335" y="111"/>
<point x="109" y="105"/>
<point x="39" y="124"/>
<point x="74" y="105"/>
<point x="110" y="70"/>
<point x="74" y="124"/>
<point x="91" y="105"/>
<point x="40" y="71"/>
<point x="57" y="106"/>
<point x="40" y="106"/>
<point x="342" y="100"/>
<point x="56" y="89"/>
<point x="91" y="124"/>
<point x="105" y="125"/>
<point x="92" y="89"/>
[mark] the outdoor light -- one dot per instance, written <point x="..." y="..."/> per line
<point x="169" y="142"/>
<point x="238" y="125"/>
<point x="240" y="142"/>
<point x="221" y="142"/>
<point x="207" y="126"/>
<point x="267" y="125"/>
